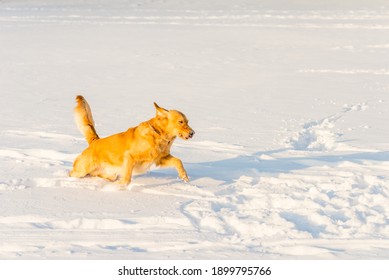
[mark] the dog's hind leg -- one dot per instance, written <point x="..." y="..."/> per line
<point x="78" y="173"/>
<point x="81" y="167"/>
<point x="107" y="176"/>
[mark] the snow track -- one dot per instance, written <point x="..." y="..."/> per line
<point x="290" y="194"/>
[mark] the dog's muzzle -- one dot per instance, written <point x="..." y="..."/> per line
<point x="191" y="133"/>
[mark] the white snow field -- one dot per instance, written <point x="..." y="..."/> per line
<point x="289" y="101"/>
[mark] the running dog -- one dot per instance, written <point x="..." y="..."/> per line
<point x="119" y="156"/>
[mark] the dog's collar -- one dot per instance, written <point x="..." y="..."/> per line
<point x="159" y="133"/>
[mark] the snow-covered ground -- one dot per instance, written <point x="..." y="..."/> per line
<point x="289" y="104"/>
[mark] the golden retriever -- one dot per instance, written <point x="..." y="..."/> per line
<point x="119" y="156"/>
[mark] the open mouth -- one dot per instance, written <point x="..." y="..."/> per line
<point x="185" y="137"/>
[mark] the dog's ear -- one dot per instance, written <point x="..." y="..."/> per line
<point x="160" y="111"/>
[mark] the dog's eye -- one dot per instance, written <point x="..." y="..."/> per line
<point x="181" y="122"/>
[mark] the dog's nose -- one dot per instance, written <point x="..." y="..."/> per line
<point x="191" y="133"/>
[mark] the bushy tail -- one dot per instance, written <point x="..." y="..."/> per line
<point x="84" y="119"/>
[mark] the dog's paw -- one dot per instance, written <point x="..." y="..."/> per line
<point x="124" y="187"/>
<point x="123" y="184"/>
<point x="113" y="187"/>
<point x="185" y="179"/>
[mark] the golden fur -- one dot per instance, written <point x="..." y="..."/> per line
<point x="119" y="156"/>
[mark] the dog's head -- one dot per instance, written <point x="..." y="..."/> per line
<point x="174" y="123"/>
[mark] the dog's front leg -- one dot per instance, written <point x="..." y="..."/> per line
<point x="170" y="161"/>
<point x="126" y="172"/>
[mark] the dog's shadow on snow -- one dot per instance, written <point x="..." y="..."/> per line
<point x="264" y="163"/>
